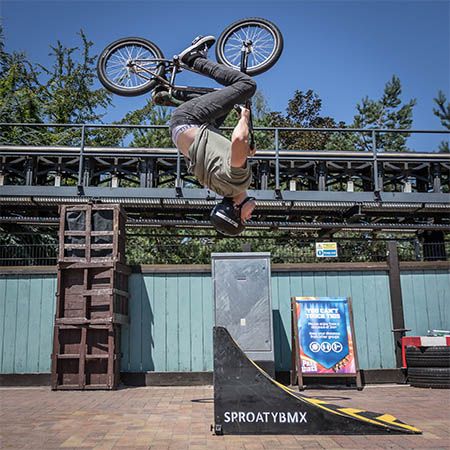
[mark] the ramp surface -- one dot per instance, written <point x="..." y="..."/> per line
<point x="248" y="401"/>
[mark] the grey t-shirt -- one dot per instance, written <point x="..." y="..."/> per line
<point x="210" y="162"/>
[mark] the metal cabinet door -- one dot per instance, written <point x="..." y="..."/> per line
<point x="242" y="301"/>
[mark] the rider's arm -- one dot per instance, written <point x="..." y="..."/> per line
<point x="240" y="147"/>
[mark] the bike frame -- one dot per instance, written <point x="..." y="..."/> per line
<point x="172" y="68"/>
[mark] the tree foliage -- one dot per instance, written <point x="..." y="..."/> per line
<point x="443" y="113"/>
<point x="303" y="111"/>
<point x="19" y="87"/>
<point x="388" y="112"/>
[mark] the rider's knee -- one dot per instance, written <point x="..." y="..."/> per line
<point x="251" y="86"/>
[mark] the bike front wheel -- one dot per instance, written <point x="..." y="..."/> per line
<point x="264" y="41"/>
<point x="128" y="66"/>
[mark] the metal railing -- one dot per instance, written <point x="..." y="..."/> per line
<point x="371" y="144"/>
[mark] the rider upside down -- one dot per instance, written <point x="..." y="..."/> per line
<point x="218" y="163"/>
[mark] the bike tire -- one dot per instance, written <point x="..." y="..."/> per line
<point x="106" y="65"/>
<point x="231" y="39"/>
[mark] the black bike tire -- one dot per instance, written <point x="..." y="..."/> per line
<point x="129" y="92"/>
<point x="436" y="356"/>
<point x="221" y="41"/>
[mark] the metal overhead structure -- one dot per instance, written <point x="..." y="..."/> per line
<point x="316" y="190"/>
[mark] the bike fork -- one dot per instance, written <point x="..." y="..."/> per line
<point x="245" y="50"/>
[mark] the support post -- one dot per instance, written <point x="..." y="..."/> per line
<point x="277" y="160"/>
<point x="81" y="182"/>
<point x="395" y="288"/>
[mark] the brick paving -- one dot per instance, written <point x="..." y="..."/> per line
<point x="179" y="418"/>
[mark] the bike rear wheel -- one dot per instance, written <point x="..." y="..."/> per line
<point x="265" y="49"/>
<point x="128" y="66"/>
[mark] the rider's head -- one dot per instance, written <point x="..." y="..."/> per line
<point x="228" y="217"/>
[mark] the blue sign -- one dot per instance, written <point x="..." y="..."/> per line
<point x="326" y="250"/>
<point x="324" y="334"/>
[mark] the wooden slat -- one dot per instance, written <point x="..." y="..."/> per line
<point x="114" y="319"/>
<point x="135" y="348"/>
<point x="82" y="362"/>
<point x="103" y="291"/>
<point x="22" y="318"/>
<point x="185" y="325"/>
<point x="34" y="317"/>
<point x="172" y="323"/>
<point x="83" y="233"/>
<point x="160" y="322"/>
<point x="9" y="331"/>
<point x="147" y="320"/>
<point x="196" y="332"/>
<point x="208" y="321"/>
<point x="47" y="314"/>
<point x="111" y="360"/>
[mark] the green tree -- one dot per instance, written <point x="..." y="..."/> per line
<point x="443" y="113"/>
<point x="303" y="111"/>
<point x="19" y="93"/>
<point x="68" y="93"/>
<point x="388" y="112"/>
<point x="63" y="93"/>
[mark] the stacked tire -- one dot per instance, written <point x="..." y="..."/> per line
<point x="429" y="367"/>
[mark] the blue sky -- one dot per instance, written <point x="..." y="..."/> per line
<point x="343" y="50"/>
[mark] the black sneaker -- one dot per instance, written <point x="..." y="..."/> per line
<point x="199" y="48"/>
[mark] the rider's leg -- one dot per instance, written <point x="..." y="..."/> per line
<point x="215" y="105"/>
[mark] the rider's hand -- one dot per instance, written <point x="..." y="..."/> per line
<point x="251" y="152"/>
<point x="245" y="113"/>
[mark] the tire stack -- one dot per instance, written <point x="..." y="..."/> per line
<point x="429" y="367"/>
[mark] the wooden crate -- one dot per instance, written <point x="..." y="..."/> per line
<point x="92" y="232"/>
<point x="86" y="357"/>
<point x="92" y="293"/>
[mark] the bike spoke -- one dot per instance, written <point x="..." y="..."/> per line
<point x="263" y="45"/>
<point x="124" y="63"/>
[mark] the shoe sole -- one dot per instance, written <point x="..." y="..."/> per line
<point x="195" y="46"/>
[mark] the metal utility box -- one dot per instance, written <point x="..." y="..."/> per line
<point x="243" y="303"/>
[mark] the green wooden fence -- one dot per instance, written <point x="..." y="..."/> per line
<point x="27" y="310"/>
<point x="171" y="316"/>
<point x="426" y="300"/>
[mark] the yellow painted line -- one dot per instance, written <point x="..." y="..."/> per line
<point x="393" y="420"/>
<point x="354" y="413"/>
<point x="352" y="410"/>
<point x="316" y="401"/>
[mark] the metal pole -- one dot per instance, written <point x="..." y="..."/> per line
<point x="277" y="160"/>
<point x="80" y="184"/>
<point x="178" y="180"/>
<point x="375" y="162"/>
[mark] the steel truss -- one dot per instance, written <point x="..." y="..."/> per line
<point x="294" y="189"/>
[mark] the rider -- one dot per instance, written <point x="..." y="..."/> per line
<point x="218" y="163"/>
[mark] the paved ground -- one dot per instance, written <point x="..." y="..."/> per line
<point x="180" y="418"/>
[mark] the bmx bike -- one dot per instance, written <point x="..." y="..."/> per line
<point x="134" y="66"/>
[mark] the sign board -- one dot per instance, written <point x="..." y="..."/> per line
<point x="324" y="337"/>
<point x="326" y="250"/>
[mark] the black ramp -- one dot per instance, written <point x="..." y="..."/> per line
<point x="248" y="401"/>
